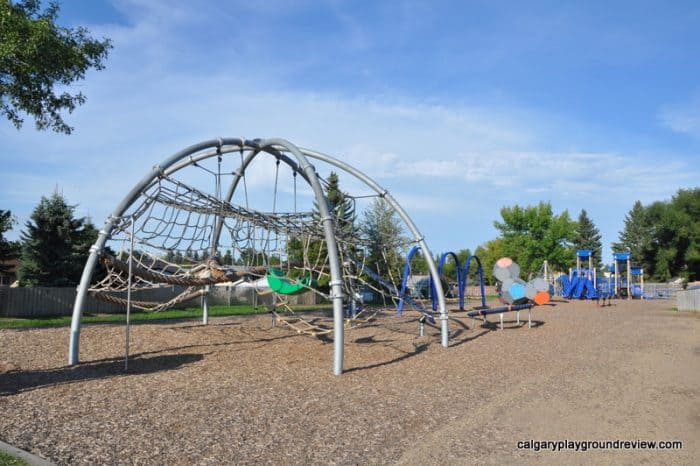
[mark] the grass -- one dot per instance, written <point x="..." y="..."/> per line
<point x="139" y="316"/>
<point x="9" y="460"/>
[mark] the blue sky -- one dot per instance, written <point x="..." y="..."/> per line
<point x="458" y="108"/>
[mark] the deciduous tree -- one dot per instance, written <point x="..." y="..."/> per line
<point x="534" y="233"/>
<point x="38" y="60"/>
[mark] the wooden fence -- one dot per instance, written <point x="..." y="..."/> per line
<point x="688" y="300"/>
<point x="44" y="301"/>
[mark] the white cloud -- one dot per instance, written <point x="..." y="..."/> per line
<point x="160" y="93"/>
<point x="683" y="117"/>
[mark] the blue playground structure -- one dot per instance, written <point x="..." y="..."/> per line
<point x="624" y="280"/>
<point x="581" y="282"/>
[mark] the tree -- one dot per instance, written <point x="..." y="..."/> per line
<point x="687" y="203"/>
<point x="533" y="233"/>
<point x="8" y="249"/>
<point x="55" y="245"/>
<point x="588" y="237"/>
<point x="664" y="237"/>
<point x="488" y="253"/>
<point x="342" y="208"/>
<point x="227" y="259"/>
<point x="384" y="232"/>
<point x="635" y="238"/>
<point x="449" y="269"/>
<point x="37" y="55"/>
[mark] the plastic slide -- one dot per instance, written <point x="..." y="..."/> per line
<point x="570" y="287"/>
<point x="580" y="285"/>
<point x="591" y="292"/>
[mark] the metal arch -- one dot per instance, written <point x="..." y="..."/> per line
<point x="97" y="248"/>
<point x="273" y="146"/>
<point x="458" y="266"/>
<point x="255" y="150"/>
<point x="465" y="277"/>
<point x="177" y="162"/>
<point x="418" y="237"/>
<point x="336" y="282"/>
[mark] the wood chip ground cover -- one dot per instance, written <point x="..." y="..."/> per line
<point x="240" y="391"/>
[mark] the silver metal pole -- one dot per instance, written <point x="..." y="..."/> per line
<point x="128" y="297"/>
<point x="336" y="282"/>
<point x="205" y="306"/>
<point x="411" y="227"/>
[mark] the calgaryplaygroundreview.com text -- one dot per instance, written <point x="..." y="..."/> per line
<point x="585" y="445"/>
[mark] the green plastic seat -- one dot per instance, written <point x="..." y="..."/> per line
<point x="281" y="284"/>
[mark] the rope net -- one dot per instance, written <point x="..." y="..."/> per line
<point x="217" y="220"/>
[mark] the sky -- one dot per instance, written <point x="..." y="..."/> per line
<point x="458" y="108"/>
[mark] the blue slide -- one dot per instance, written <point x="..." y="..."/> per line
<point x="591" y="292"/>
<point x="572" y="289"/>
<point x="580" y="285"/>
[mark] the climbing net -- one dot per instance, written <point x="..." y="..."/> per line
<point x="247" y="217"/>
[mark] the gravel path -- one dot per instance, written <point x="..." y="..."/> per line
<point x="239" y="391"/>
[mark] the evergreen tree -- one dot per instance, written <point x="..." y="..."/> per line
<point x="342" y="208"/>
<point x="588" y="237"/>
<point x="228" y="258"/>
<point x="170" y="256"/>
<point x="664" y="237"/>
<point x="55" y="245"/>
<point x="636" y="236"/>
<point x="384" y="232"/>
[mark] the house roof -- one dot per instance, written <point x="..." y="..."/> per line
<point x="14" y="265"/>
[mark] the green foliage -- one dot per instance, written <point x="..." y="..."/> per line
<point x="449" y="269"/>
<point x="252" y="257"/>
<point x="382" y="227"/>
<point x="227" y="259"/>
<point x="533" y="233"/>
<point x="588" y="237"/>
<point x="342" y="210"/>
<point x="36" y="55"/>
<point x="419" y="266"/>
<point x="636" y="235"/>
<point x="488" y="254"/>
<point x="55" y="245"/>
<point x="8" y="249"/>
<point x="664" y="237"/>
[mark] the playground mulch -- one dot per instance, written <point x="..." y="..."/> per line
<point x="242" y="392"/>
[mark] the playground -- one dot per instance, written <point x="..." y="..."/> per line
<point x="241" y="391"/>
<point x="425" y="381"/>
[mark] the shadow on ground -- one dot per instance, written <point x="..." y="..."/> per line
<point x="20" y="381"/>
